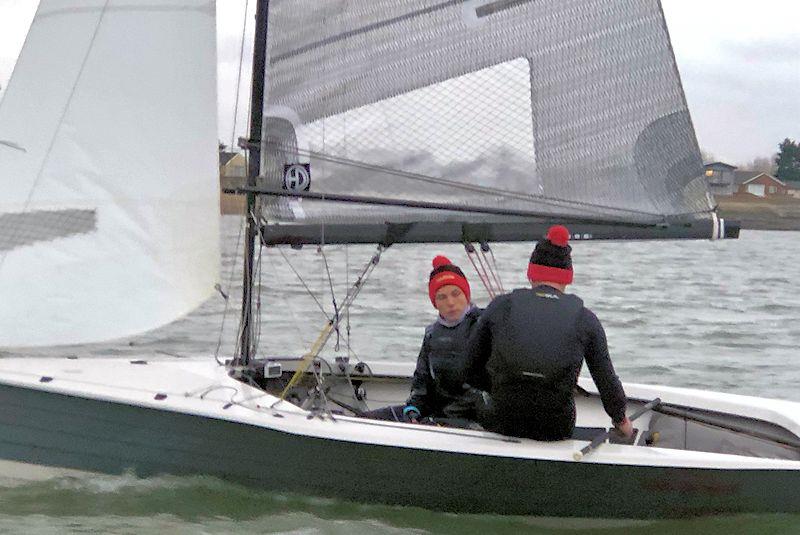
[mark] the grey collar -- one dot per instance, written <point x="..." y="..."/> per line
<point x="451" y="324"/>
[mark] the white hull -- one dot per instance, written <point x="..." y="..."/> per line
<point x="193" y="403"/>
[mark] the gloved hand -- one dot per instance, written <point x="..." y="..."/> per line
<point x="625" y="428"/>
<point x="411" y="414"/>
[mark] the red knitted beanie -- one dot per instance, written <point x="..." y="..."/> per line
<point x="443" y="274"/>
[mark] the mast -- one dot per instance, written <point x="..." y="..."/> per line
<point x="253" y="146"/>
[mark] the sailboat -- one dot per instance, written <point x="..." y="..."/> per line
<point x="379" y="122"/>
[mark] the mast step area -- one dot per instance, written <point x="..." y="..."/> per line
<point x="525" y="230"/>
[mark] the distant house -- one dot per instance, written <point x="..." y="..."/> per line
<point x="743" y="176"/>
<point x="721" y="178"/>
<point x="232" y="164"/>
<point x="793" y="189"/>
<point x="232" y="173"/>
<point x="763" y="185"/>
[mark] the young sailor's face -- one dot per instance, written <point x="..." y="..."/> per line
<point x="450" y="302"/>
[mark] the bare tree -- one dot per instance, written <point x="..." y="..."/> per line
<point x="763" y="164"/>
<point x="707" y="157"/>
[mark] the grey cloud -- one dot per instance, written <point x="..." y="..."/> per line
<point x="766" y="51"/>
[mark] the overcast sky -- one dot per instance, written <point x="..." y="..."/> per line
<point x="739" y="61"/>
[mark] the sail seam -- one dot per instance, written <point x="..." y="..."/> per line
<point x="208" y="9"/>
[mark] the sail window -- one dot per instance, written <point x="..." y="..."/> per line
<point x="474" y="128"/>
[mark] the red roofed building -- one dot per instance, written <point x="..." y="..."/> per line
<point x="763" y="185"/>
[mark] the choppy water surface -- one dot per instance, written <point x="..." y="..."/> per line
<point x="712" y="315"/>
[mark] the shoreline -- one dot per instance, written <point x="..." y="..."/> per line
<point x="755" y="213"/>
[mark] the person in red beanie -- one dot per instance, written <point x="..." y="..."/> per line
<point x="437" y="388"/>
<point x="528" y="349"/>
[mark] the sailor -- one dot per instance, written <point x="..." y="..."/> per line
<point x="437" y="388"/>
<point x="528" y="349"/>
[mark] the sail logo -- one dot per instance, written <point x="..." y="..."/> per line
<point x="297" y="177"/>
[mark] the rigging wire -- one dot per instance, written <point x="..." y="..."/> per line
<point x="303" y="282"/>
<point x="239" y="75"/>
<point x="240" y="330"/>
<point x="347" y="285"/>
<point x="552" y="201"/>
<point x="333" y="294"/>
<point x="257" y="334"/>
<point x="287" y="305"/>
<point x="240" y="333"/>
<point x="227" y="301"/>
<point x="327" y="330"/>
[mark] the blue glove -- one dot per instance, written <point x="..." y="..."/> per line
<point x="410" y="414"/>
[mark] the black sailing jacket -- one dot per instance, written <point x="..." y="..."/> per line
<point x="527" y="351"/>
<point x="437" y="388"/>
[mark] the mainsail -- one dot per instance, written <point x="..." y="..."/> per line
<point x="552" y="108"/>
<point x="108" y="147"/>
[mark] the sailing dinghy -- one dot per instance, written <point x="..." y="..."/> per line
<point x="379" y="122"/>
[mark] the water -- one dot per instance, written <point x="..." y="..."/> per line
<point x="711" y="315"/>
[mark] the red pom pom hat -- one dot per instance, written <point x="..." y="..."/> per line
<point x="445" y="273"/>
<point x="551" y="260"/>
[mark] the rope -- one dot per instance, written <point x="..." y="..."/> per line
<point x="485" y="268"/>
<point x="493" y="271"/>
<point x="470" y="249"/>
<point x="328" y="329"/>
<point x="494" y="263"/>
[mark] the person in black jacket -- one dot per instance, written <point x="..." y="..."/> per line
<point x="528" y="348"/>
<point x="437" y="388"/>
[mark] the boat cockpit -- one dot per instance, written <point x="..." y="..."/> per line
<point x="343" y="388"/>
